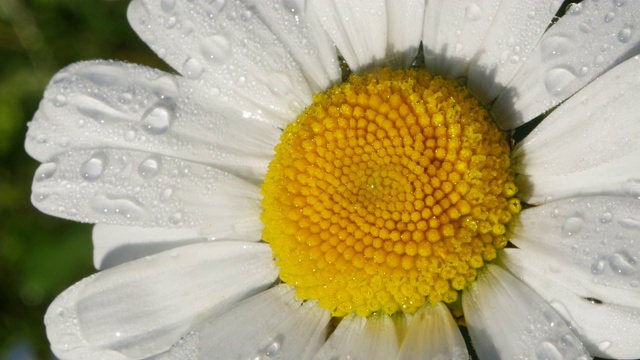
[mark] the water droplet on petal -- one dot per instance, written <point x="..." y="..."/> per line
<point x="192" y="69"/>
<point x="130" y="135"/>
<point x="176" y="219"/>
<point x="215" y="48"/>
<point x="624" y="35"/>
<point x="157" y="120"/>
<point x="92" y="169"/>
<point x="558" y="79"/>
<point x="604" y="345"/>
<point x="555" y="46"/>
<point x="60" y="100"/>
<point x="46" y="171"/>
<point x="171" y="22"/>
<point x="609" y="17"/>
<point x="149" y="167"/>
<point x="246" y="15"/>
<point x="621" y="263"/>
<point x="127" y="208"/>
<point x="280" y="83"/>
<point x="166" y="194"/>
<point x="548" y="351"/>
<point x="472" y="12"/>
<point x="167" y="5"/>
<point x="598" y="266"/>
<point x="572" y="226"/>
<point x="606" y="218"/>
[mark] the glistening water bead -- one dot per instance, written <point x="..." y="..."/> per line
<point x="389" y="192"/>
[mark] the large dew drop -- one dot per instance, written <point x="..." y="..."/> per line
<point x="157" y="120"/>
<point x="92" y="169"/>
<point x="558" y="80"/>
<point x="45" y="171"/>
<point x="192" y="69"/>
<point x="149" y="167"/>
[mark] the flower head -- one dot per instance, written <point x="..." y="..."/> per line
<point x="260" y="205"/>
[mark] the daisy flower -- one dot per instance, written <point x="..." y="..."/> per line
<point x="260" y="204"/>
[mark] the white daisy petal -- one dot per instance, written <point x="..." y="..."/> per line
<point x="104" y="104"/>
<point x="272" y="324"/>
<point x="500" y="57"/>
<point x="596" y="132"/>
<point x="590" y="39"/>
<point x="293" y="330"/>
<point x="453" y="33"/>
<point x="508" y="320"/>
<point x="143" y="307"/>
<point x="591" y="241"/>
<point x="358" y="28"/>
<point x="115" y="244"/>
<point x="360" y="338"/>
<point x="228" y="51"/>
<point x="138" y="189"/>
<point x="607" y="330"/>
<point x="433" y="334"/>
<point x="405" y="22"/>
<point x="301" y="32"/>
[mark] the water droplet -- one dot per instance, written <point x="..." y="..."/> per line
<point x="572" y="226"/>
<point x="39" y="196"/>
<point x="606" y="217"/>
<point x="176" y="219"/>
<point x="472" y="12"/>
<point x="604" y="345"/>
<point x="92" y="169"/>
<point x="609" y="17"/>
<point x="598" y="60"/>
<point x="192" y="69"/>
<point x="60" y="100"/>
<point x="127" y="208"/>
<point x="246" y="15"/>
<point x="548" y="351"/>
<point x="157" y="120"/>
<point x="634" y="283"/>
<point x="558" y="79"/>
<point x="125" y="98"/>
<point x="555" y="46"/>
<point x="171" y="22"/>
<point x="631" y="224"/>
<point x="167" y="5"/>
<point x="46" y="171"/>
<point x="273" y="348"/>
<point x="149" y="167"/>
<point x="621" y="263"/>
<point x="598" y="266"/>
<point x="583" y="71"/>
<point x="624" y="35"/>
<point x="166" y="194"/>
<point x="554" y="213"/>
<point x="130" y="135"/>
<point x="514" y="59"/>
<point x="241" y="81"/>
<point x="280" y="83"/>
<point x="215" y="48"/>
<point x="574" y="9"/>
<point x="585" y="27"/>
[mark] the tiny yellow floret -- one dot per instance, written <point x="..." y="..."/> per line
<point x="388" y="193"/>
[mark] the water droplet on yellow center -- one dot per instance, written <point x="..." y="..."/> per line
<point x="389" y="192"/>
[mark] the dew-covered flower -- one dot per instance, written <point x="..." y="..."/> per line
<point x="275" y="201"/>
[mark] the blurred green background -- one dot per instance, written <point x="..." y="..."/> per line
<point x="41" y="255"/>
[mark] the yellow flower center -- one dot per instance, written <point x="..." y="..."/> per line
<point x="390" y="191"/>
